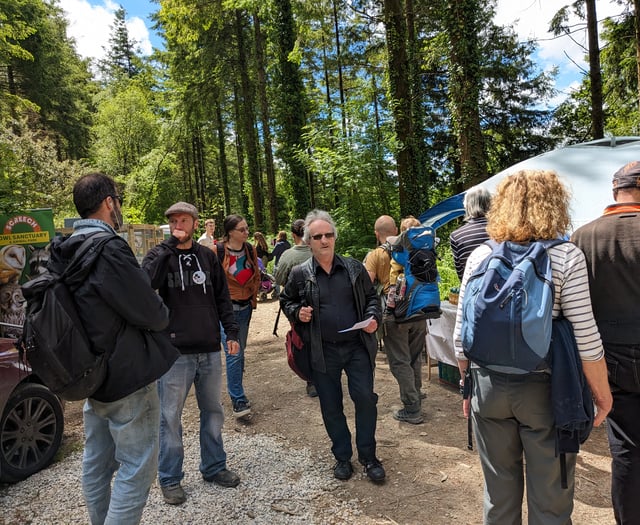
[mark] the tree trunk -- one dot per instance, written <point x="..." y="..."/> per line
<point x="462" y="27"/>
<point x="222" y="154"/>
<point x="636" y="7"/>
<point x="343" y="107"/>
<point x="244" y="201"/>
<point x="247" y="116"/>
<point x="292" y="109"/>
<point x="595" y="74"/>
<point x="266" y="127"/>
<point x="412" y="198"/>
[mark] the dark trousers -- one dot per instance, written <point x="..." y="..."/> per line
<point x="354" y="360"/>
<point x="623" y="430"/>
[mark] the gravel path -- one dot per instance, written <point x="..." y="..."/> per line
<point x="279" y="485"/>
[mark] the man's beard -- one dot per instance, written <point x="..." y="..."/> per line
<point x="116" y="219"/>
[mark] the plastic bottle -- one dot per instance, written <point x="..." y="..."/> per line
<point x="401" y="286"/>
<point x="391" y="297"/>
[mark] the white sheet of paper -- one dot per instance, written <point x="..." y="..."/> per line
<point x="357" y="326"/>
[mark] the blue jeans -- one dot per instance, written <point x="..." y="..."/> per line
<point x="121" y="437"/>
<point x="205" y="371"/>
<point x="235" y="363"/>
<point x="354" y="360"/>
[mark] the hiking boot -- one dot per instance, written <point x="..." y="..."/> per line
<point x="174" y="494"/>
<point x="224" y="478"/>
<point x="342" y="470"/>
<point x="311" y="390"/>
<point x="374" y="470"/>
<point x="415" y="418"/>
<point x="241" y="409"/>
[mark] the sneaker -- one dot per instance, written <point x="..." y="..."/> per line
<point x="415" y="418"/>
<point x="374" y="470"/>
<point x="242" y="409"/>
<point x="311" y="390"/>
<point x="343" y="470"/>
<point x="224" y="478"/>
<point x="174" y="494"/>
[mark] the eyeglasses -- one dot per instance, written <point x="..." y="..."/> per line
<point x="242" y="230"/>
<point x="319" y="236"/>
<point x="117" y="198"/>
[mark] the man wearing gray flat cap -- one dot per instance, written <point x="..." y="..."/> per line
<point x="192" y="283"/>
<point x="611" y="245"/>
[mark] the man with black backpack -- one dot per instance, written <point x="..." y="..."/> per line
<point x="122" y="316"/>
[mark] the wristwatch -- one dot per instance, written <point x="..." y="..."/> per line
<point x="461" y="383"/>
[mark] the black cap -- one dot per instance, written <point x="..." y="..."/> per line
<point x="628" y="176"/>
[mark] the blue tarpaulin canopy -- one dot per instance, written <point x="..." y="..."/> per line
<point x="586" y="169"/>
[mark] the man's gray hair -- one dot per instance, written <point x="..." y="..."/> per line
<point x="317" y="215"/>
<point x="477" y="202"/>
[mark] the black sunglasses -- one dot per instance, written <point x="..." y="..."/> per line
<point x="117" y="197"/>
<point x="319" y="236"/>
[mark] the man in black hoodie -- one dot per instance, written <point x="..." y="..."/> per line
<point x="122" y="316"/>
<point x="192" y="283"/>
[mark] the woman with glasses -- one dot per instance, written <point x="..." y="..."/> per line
<point x="240" y="263"/>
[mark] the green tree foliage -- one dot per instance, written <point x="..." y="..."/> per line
<point x="31" y="175"/>
<point x="122" y="56"/>
<point x="55" y="79"/>
<point x="126" y="129"/>
<point x="14" y="29"/>
<point x="268" y="108"/>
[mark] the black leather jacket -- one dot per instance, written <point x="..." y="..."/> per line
<point x="122" y="315"/>
<point x="302" y="290"/>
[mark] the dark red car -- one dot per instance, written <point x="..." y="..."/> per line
<point x="31" y="418"/>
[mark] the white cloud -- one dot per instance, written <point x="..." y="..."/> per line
<point x="89" y="26"/>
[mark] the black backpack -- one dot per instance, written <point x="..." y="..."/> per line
<point x="56" y="344"/>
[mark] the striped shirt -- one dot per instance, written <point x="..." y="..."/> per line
<point x="466" y="239"/>
<point x="571" y="297"/>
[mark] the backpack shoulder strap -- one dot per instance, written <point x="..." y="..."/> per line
<point x="96" y="242"/>
<point x="549" y="243"/>
<point x="220" y="252"/>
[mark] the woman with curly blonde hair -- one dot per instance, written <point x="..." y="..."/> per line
<point x="530" y="205"/>
<point x="512" y="413"/>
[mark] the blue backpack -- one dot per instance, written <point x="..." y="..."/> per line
<point x="415" y="250"/>
<point x="507" y="308"/>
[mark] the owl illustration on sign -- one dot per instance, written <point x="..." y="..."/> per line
<point x="12" y="261"/>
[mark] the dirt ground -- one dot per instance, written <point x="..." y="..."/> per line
<point x="431" y="476"/>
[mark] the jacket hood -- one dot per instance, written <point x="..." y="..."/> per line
<point x="64" y="249"/>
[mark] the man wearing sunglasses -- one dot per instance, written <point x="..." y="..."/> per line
<point x="325" y="297"/>
<point x="123" y="317"/>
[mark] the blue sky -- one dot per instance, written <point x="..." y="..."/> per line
<point x="89" y="22"/>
